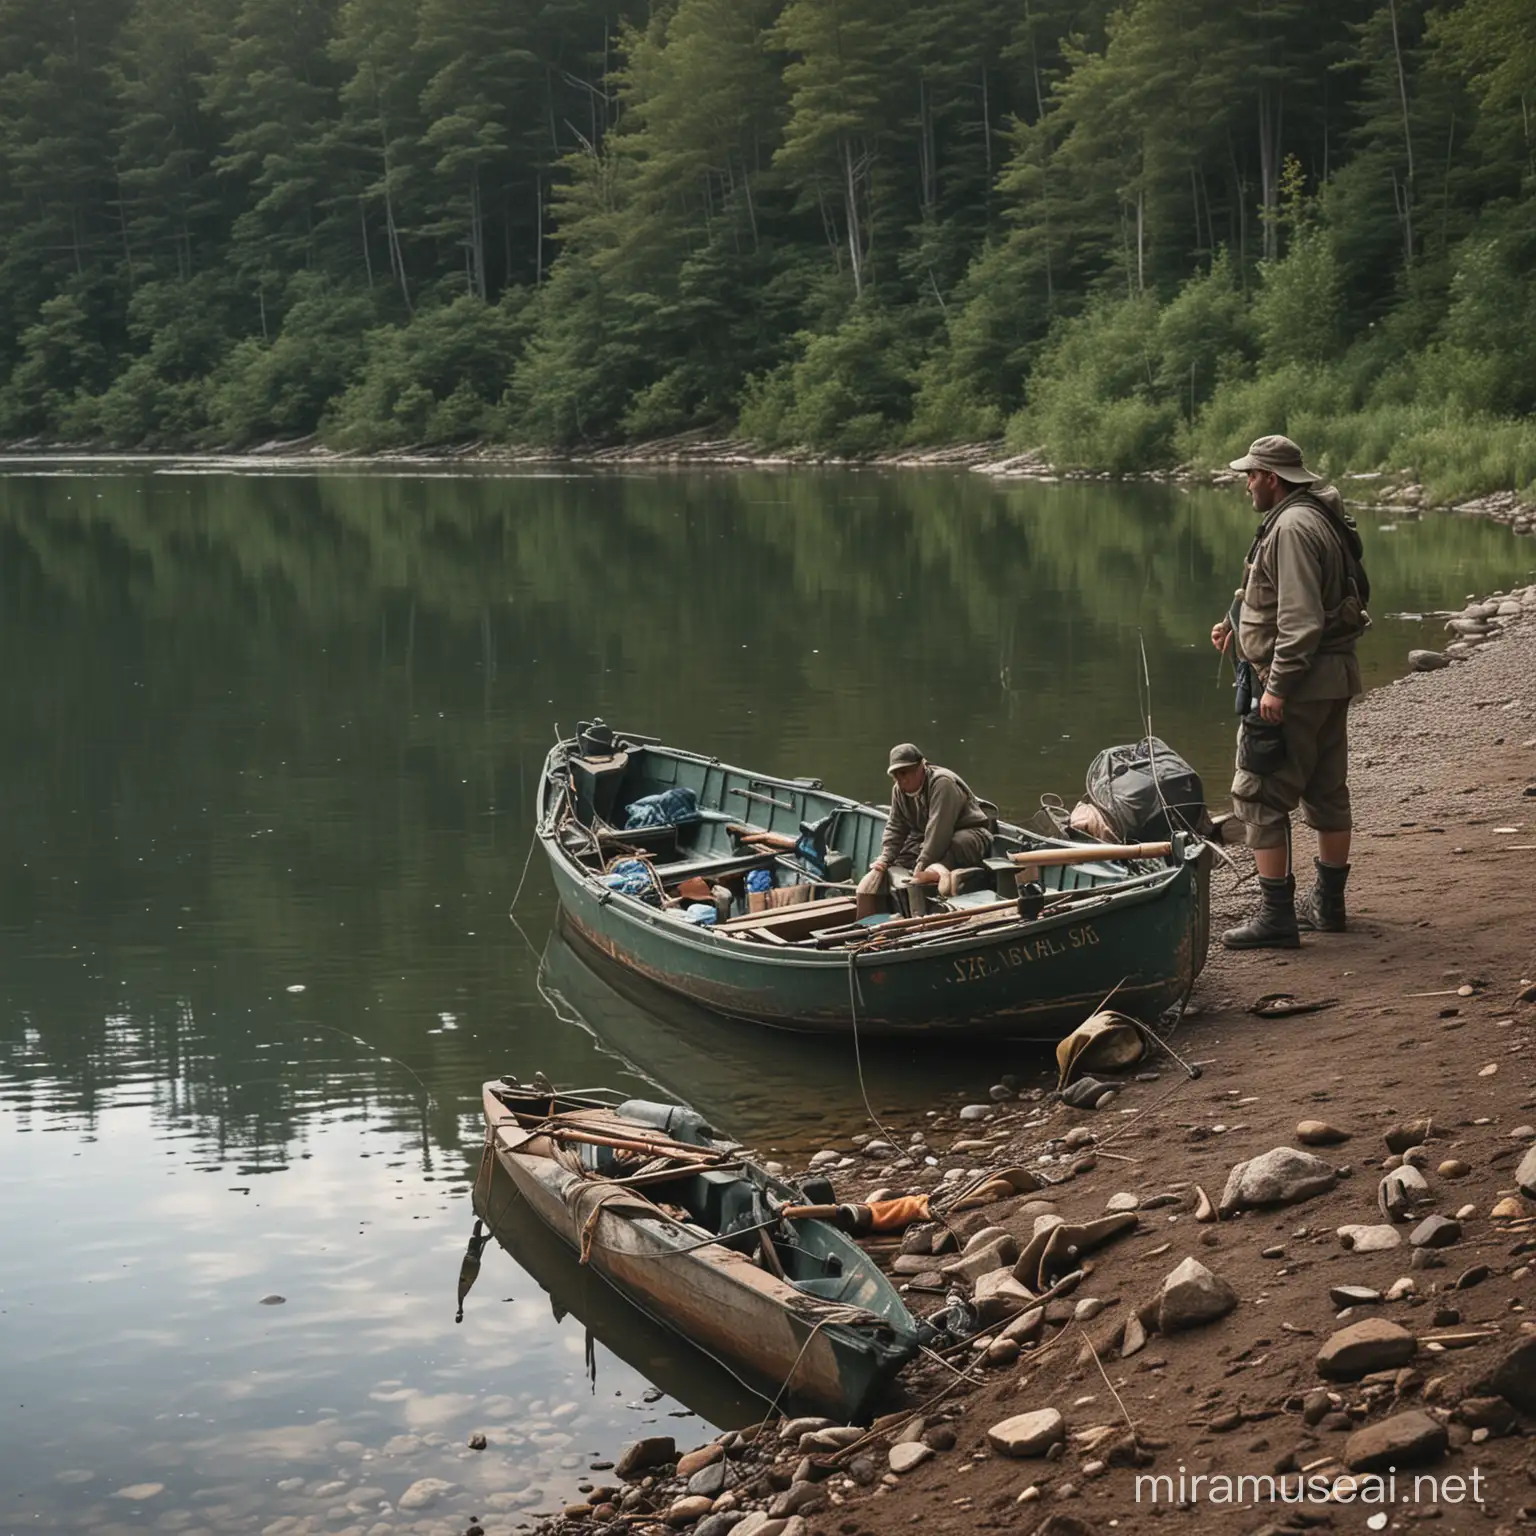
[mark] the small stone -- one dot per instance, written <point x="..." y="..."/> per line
<point x="1087" y="1309"/>
<point x="1369" y="1239"/>
<point x="1372" y="1345"/>
<point x="1135" y="1339"/>
<point x="941" y="1437"/>
<point x="1409" y="1134"/>
<point x="1525" y="1174"/>
<point x="807" y="1424"/>
<point x="424" y="1491"/>
<point x="1470" y="1277"/>
<point x="638" y="1459"/>
<point x="1123" y="1202"/>
<point x="720" y="1523"/>
<point x="977" y="1112"/>
<point x="1400" y="1288"/>
<point x="1192" y="1295"/>
<point x="1002" y="1351"/>
<point x="1000" y="1093"/>
<point x="803" y="1498"/>
<point x="712" y="1480"/>
<point x="1515" y="1376"/>
<point x="1507" y="1209"/>
<point x="1405" y="1440"/>
<point x="1427" y="661"/>
<point x="686" y="1511"/>
<point x="1401" y="1191"/>
<point x="1353" y="1295"/>
<point x="1454" y="1168"/>
<point x="1027" y="1434"/>
<point x="903" y="1458"/>
<point x="1435" y="1232"/>
<point x="696" y="1461"/>
<point x="1319" y="1133"/>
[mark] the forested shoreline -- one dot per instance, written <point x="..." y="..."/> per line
<point x="1128" y="236"/>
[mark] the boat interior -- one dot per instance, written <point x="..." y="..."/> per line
<point x="668" y="1156"/>
<point x="776" y="862"/>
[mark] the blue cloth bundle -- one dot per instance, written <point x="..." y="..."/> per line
<point x="671" y="808"/>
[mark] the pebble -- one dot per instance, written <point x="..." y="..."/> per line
<point x="1435" y="1232"/>
<point x="1369" y="1239"/>
<point x="1319" y="1133"/>
<point x="1372" y="1345"/>
<point x="424" y="1491"/>
<point x="977" y="1112"/>
<point x="1409" y="1134"/>
<point x="1353" y="1295"/>
<point x="686" y="1511"/>
<point x="1192" y="1295"/>
<point x="1027" y="1434"/>
<point x="1123" y="1202"/>
<point x="903" y="1458"/>
<point x="1406" y="1439"/>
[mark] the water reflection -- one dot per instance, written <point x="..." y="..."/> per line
<point x="676" y="1369"/>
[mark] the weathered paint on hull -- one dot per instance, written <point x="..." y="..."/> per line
<point x="716" y="1299"/>
<point x="1028" y="982"/>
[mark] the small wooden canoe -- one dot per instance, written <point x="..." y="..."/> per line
<point x="976" y="967"/>
<point x="682" y="1224"/>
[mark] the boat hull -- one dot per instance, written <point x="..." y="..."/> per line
<point x="756" y="1326"/>
<point x="1031" y="981"/>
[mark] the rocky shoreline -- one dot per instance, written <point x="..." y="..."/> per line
<point x="702" y="449"/>
<point x="1312" y="1263"/>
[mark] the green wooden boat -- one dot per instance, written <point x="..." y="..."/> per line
<point x="679" y="1221"/>
<point x="975" y="966"/>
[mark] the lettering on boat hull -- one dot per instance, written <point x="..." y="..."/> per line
<point x="968" y="968"/>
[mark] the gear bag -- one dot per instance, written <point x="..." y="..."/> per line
<point x="1146" y="791"/>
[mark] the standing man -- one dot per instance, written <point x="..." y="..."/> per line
<point x="1295" y="624"/>
<point x="936" y="825"/>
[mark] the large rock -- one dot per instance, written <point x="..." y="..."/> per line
<point x="1405" y="1440"/>
<point x="1371" y="1345"/>
<point x="1192" y="1295"/>
<point x="1279" y="1177"/>
<point x="639" y="1458"/>
<point x="1525" y="1174"/>
<point x="1514" y="1379"/>
<point x="1027" y="1434"/>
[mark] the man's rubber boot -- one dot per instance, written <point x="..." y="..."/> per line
<point x="1273" y="926"/>
<point x="1322" y="908"/>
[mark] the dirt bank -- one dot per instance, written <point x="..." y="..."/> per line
<point x="1430" y="1013"/>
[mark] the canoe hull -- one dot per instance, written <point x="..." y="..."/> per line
<point x="716" y="1299"/>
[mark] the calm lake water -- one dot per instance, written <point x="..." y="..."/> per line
<point x="265" y="782"/>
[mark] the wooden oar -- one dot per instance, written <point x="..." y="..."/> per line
<point x="1091" y="853"/>
<point x="779" y="840"/>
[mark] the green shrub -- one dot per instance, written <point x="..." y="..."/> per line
<point x="436" y="379"/>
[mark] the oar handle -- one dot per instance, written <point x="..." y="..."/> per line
<point x="1091" y="853"/>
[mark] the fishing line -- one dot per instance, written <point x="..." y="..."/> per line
<point x="533" y="843"/>
<point x="858" y="1055"/>
<point x="393" y="1060"/>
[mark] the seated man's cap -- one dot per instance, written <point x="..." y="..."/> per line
<point x="903" y="755"/>
<point x="1278" y="456"/>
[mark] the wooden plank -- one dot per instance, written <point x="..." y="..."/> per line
<point x="826" y="907"/>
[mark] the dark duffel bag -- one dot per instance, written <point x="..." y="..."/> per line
<point x="1146" y="791"/>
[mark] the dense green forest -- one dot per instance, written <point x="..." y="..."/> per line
<point x="1127" y="235"/>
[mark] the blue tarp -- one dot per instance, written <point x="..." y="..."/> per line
<point x="671" y="808"/>
<point x="632" y="877"/>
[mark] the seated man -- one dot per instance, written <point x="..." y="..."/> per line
<point x="935" y="827"/>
